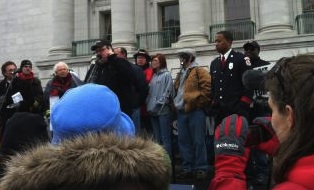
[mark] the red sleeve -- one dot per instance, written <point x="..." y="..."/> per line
<point x="148" y="74"/>
<point x="289" y="186"/>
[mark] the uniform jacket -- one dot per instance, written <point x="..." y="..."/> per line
<point x="228" y="91"/>
<point x="161" y="91"/>
<point x="300" y="177"/>
<point x="95" y="161"/>
<point x="197" y="86"/>
<point x="117" y="74"/>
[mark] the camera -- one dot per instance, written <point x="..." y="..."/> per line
<point x="256" y="135"/>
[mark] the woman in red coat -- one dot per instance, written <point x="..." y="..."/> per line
<point x="290" y="83"/>
<point x="291" y="98"/>
<point x="142" y="59"/>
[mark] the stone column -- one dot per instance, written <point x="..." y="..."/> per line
<point x="192" y="24"/>
<point x="274" y="17"/>
<point x="123" y="23"/>
<point x="62" y="28"/>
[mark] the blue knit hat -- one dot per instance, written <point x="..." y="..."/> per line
<point x="88" y="108"/>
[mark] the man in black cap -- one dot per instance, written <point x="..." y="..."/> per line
<point x="33" y="92"/>
<point x="114" y="72"/>
<point x="258" y="169"/>
<point x="252" y="50"/>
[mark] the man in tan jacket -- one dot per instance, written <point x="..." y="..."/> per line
<point x="192" y="85"/>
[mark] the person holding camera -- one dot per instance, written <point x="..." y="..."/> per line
<point x="290" y="85"/>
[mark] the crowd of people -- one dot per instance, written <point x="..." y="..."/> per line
<point x="113" y="130"/>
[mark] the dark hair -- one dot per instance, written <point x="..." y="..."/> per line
<point x="124" y="51"/>
<point x="4" y="66"/>
<point x="227" y="35"/>
<point x="162" y="60"/>
<point x="290" y="82"/>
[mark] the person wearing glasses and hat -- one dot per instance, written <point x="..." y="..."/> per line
<point x="114" y="72"/>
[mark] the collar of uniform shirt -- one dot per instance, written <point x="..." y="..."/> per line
<point x="226" y="54"/>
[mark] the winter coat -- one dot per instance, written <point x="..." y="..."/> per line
<point x="93" y="161"/>
<point x="74" y="82"/>
<point x="300" y="176"/>
<point x="117" y="74"/>
<point x="229" y="94"/>
<point x="161" y="91"/>
<point x="197" y="86"/>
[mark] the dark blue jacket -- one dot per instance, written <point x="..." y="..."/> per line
<point x="228" y="93"/>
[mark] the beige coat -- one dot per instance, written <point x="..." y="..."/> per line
<point x="197" y="88"/>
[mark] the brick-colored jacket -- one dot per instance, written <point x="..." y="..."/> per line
<point x="197" y="88"/>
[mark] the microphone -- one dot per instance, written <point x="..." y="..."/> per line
<point x="254" y="79"/>
<point x="16" y="71"/>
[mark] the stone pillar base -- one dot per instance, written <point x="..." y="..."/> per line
<point x="188" y="40"/>
<point x="60" y="52"/>
<point x="278" y="33"/>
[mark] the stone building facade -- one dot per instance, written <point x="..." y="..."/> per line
<point x="50" y="31"/>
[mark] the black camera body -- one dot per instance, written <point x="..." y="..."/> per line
<point x="256" y="135"/>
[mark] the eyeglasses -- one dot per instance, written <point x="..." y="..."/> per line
<point x="10" y="70"/>
<point x="280" y="77"/>
<point x="281" y="80"/>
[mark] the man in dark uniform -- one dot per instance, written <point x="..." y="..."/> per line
<point x="114" y="72"/>
<point x="228" y="93"/>
<point x="260" y="106"/>
<point x="257" y="169"/>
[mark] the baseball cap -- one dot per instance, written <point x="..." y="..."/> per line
<point x="188" y="51"/>
<point x="251" y="45"/>
<point x="100" y="44"/>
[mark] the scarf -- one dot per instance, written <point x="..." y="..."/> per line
<point x="60" y="85"/>
<point x="29" y="77"/>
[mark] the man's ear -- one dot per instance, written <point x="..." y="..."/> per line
<point x="289" y="116"/>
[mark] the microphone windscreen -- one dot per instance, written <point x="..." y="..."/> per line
<point x="17" y="71"/>
<point x="254" y="79"/>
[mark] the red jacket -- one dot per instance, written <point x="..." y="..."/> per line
<point x="301" y="175"/>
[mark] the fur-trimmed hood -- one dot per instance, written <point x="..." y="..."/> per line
<point x="90" y="162"/>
